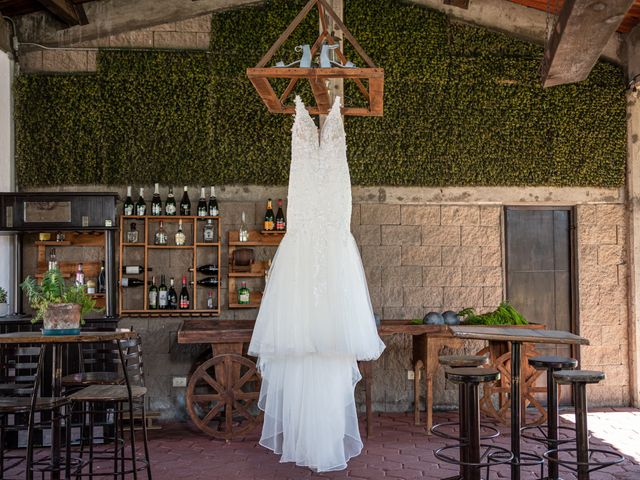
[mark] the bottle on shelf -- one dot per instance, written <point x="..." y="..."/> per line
<point x="172" y="297"/>
<point x="281" y="223"/>
<point x="79" y="275"/>
<point x="210" y="304"/>
<point x="209" y="282"/>
<point x="60" y="237"/>
<point x="153" y="295"/>
<point x="156" y="201"/>
<point x="170" y="205"/>
<point x="163" y="295"/>
<point x="185" y="203"/>
<point x="243" y="234"/>
<point x="269" y="218"/>
<point x="134" y="269"/>
<point x="202" y="204"/>
<point x="132" y="234"/>
<point x="127" y="282"/>
<point x="53" y="259"/>
<point x="214" y="211"/>
<point x="91" y="287"/>
<point x="128" y="206"/>
<point x="102" y="280"/>
<point x="206" y="269"/>
<point x="184" y="294"/>
<point x="181" y="238"/>
<point x="208" y="231"/>
<point x="244" y="294"/>
<point x="161" y="235"/>
<point x="141" y="206"/>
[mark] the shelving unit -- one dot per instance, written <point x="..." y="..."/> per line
<point x="146" y="254"/>
<point x="256" y="239"/>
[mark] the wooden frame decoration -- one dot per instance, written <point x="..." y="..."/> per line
<point x="374" y="76"/>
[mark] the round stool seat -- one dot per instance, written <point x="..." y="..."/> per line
<point x="553" y="361"/>
<point x="567" y="377"/>
<point x="459" y="361"/>
<point x="471" y="375"/>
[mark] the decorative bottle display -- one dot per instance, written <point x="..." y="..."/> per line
<point x="172" y="297"/>
<point x="141" y="206"/>
<point x="184" y="294"/>
<point x="79" y="275"/>
<point x="161" y="235"/>
<point x="102" y="280"/>
<point x="213" y="203"/>
<point x="53" y="259"/>
<point x="180" y="236"/>
<point x="243" y="234"/>
<point x="281" y="224"/>
<point x="269" y="218"/>
<point x="244" y="294"/>
<point x="153" y="295"/>
<point x="208" y="231"/>
<point x="131" y="282"/>
<point x="202" y="204"/>
<point x="207" y="269"/>
<point x="132" y="234"/>
<point x="163" y="297"/>
<point x="170" y="205"/>
<point x="185" y="203"/>
<point x="156" y="202"/>
<point x="128" y="203"/>
<point x="209" y="282"/>
<point x="134" y="269"/>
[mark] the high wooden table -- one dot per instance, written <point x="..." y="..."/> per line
<point x="516" y="337"/>
<point x="57" y="343"/>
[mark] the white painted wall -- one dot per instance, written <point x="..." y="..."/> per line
<point x="7" y="183"/>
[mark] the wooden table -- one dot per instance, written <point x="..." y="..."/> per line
<point x="57" y="343"/>
<point x="516" y="337"/>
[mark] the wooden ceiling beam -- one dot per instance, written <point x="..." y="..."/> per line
<point x="582" y="31"/>
<point x="64" y="11"/>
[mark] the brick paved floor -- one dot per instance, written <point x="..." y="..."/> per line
<point x="397" y="450"/>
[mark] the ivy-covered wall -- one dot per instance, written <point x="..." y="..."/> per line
<point x="463" y="106"/>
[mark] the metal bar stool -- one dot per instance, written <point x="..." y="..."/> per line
<point x="551" y="364"/>
<point x="474" y="458"/>
<point x="581" y="459"/>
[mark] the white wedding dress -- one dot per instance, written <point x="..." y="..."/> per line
<point x="315" y="319"/>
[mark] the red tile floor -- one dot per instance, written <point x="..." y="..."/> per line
<point x="396" y="450"/>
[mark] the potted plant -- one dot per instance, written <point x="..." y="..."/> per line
<point x="4" y="306"/>
<point x="61" y="308"/>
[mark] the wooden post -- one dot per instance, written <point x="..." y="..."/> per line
<point x="335" y="86"/>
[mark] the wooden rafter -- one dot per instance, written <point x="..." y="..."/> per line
<point x="65" y="11"/>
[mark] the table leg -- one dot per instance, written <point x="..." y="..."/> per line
<point x="367" y="373"/>
<point x="515" y="409"/>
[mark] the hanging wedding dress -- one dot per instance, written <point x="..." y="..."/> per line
<point x="315" y="319"/>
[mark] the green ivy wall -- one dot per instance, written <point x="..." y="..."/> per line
<point x="463" y="106"/>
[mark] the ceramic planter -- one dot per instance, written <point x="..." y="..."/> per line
<point x="62" y="319"/>
<point x="4" y="309"/>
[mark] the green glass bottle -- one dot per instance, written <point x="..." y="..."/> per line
<point x="244" y="294"/>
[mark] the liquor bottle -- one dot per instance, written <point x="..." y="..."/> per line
<point x="79" y="275"/>
<point x="132" y="234"/>
<point x="281" y="224"/>
<point x="163" y="295"/>
<point x="185" y="203"/>
<point x="102" y="279"/>
<point x="161" y="235"/>
<point x="141" y="206"/>
<point x="170" y="205"/>
<point x="209" y="282"/>
<point x="184" y="294"/>
<point x="172" y="297"/>
<point x="206" y="269"/>
<point x="53" y="259"/>
<point x="156" y="202"/>
<point x="202" y="204"/>
<point x="243" y="234"/>
<point x="180" y="236"/>
<point x="210" y="300"/>
<point x="208" y="231"/>
<point x="153" y="295"/>
<point x="134" y="269"/>
<point x="131" y="282"/>
<point x="214" y="211"/>
<point x="269" y="217"/>
<point x="128" y="203"/>
<point x="244" y="294"/>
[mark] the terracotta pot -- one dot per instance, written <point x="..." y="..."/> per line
<point x="62" y="319"/>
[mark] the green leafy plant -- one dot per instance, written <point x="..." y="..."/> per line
<point x="53" y="290"/>
<point x="505" y="314"/>
<point x="3" y="295"/>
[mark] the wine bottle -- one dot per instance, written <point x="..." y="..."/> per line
<point x="206" y="269"/>
<point x="181" y="238"/>
<point x="210" y="300"/>
<point x="281" y="224"/>
<point x="172" y="297"/>
<point x="202" y="204"/>
<point x="185" y="203"/>
<point x="170" y="205"/>
<point x="161" y="235"/>
<point x="134" y="269"/>
<point x="269" y="218"/>
<point x="153" y="295"/>
<point x="79" y="275"/>
<point x="163" y="296"/>
<point x="209" y="282"/>
<point x="102" y="279"/>
<point x="53" y="259"/>
<point x="244" y="295"/>
<point x="213" y="204"/>
<point x="156" y="202"/>
<point x="131" y="282"/>
<point x="141" y="206"/>
<point x="127" y="209"/>
<point x="184" y="294"/>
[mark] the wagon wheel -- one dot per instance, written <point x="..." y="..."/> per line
<point x="222" y="396"/>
